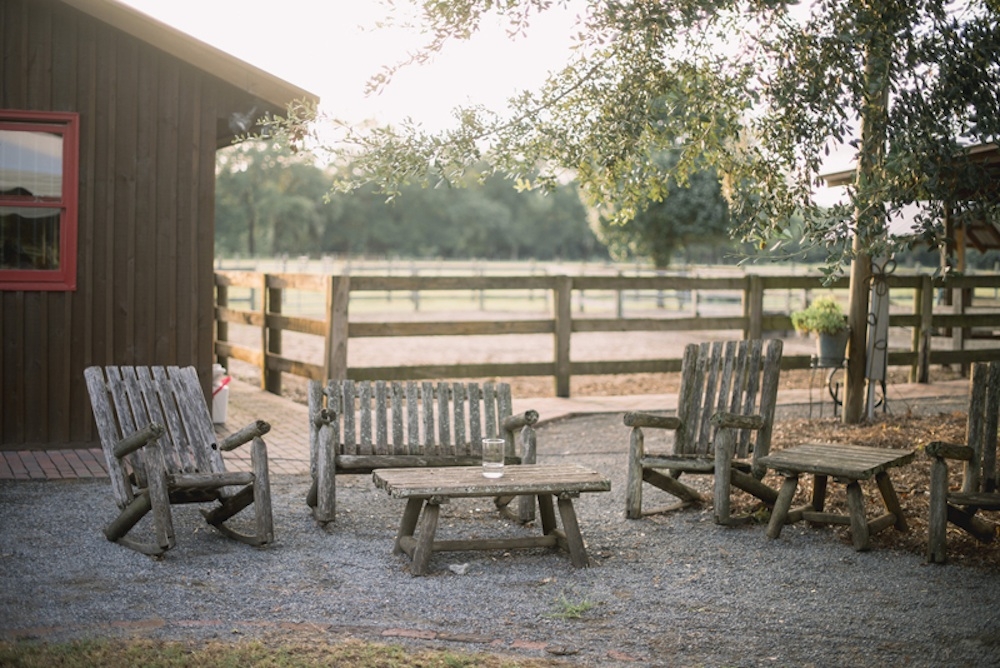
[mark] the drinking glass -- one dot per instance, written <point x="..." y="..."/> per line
<point x="493" y="451"/>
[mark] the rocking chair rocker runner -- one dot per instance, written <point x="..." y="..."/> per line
<point x="723" y="425"/>
<point x="160" y="446"/>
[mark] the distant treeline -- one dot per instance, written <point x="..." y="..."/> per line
<point x="272" y="203"/>
<point x="269" y="203"/>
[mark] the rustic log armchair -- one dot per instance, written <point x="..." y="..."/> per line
<point x="357" y="427"/>
<point x="160" y="446"/>
<point x="723" y="425"/>
<point x="978" y="490"/>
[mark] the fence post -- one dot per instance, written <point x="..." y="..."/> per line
<point x="221" y="326"/>
<point x="753" y="307"/>
<point x="923" y="305"/>
<point x="564" y="328"/>
<point x="620" y="300"/>
<point x="271" y="303"/>
<point x="338" y="298"/>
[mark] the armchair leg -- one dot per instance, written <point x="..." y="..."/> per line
<point x="262" y="492"/>
<point x="633" y="485"/>
<point x="937" y="528"/>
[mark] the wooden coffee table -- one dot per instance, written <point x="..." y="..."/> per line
<point x="844" y="463"/>
<point x="425" y="489"/>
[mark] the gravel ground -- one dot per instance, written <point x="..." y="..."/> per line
<point x="667" y="590"/>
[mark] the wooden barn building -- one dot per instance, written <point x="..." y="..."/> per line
<point x="109" y="125"/>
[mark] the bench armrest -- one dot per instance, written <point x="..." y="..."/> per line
<point x="324" y="416"/>
<point x="942" y="450"/>
<point x="633" y="419"/>
<point x="131" y="443"/>
<point x="525" y="419"/>
<point x="737" y="421"/>
<point x="245" y="435"/>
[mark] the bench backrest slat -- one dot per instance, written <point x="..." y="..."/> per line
<point x="414" y="417"/>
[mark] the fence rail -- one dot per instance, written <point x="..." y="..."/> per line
<point x="753" y="304"/>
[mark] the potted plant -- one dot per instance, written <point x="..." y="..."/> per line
<point x="826" y="320"/>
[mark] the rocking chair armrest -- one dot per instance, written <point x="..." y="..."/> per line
<point x="245" y="435"/>
<point x="634" y="419"/>
<point x="133" y="442"/>
<point x="737" y="421"/>
<point x="943" y="450"/>
<point x="525" y="419"/>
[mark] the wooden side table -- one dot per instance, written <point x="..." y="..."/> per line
<point x="425" y="489"/>
<point x="848" y="464"/>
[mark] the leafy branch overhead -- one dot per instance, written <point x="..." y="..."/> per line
<point x="761" y="91"/>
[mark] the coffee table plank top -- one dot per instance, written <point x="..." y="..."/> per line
<point x="458" y="481"/>
<point x="854" y="462"/>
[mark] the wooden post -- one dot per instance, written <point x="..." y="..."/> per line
<point x="221" y="326"/>
<point x="857" y="320"/>
<point x="619" y="301"/>
<point x="923" y="304"/>
<point x="338" y="297"/>
<point x="272" y="305"/>
<point x="564" y="327"/>
<point x="263" y="332"/>
<point x="753" y="307"/>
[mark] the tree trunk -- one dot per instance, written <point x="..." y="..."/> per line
<point x="869" y="213"/>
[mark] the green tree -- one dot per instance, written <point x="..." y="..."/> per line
<point x="762" y="90"/>
<point x="268" y="200"/>
<point x="691" y="215"/>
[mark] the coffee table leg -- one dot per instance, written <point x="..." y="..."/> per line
<point x="425" y="540"/>
<point x="819" y="492"/>
<point x="859" y="525"/>
<point x="409" y="522"/>
<point x="891" y="500"/>
<point x="781" y="507"/>
<point x="547" y="514"/>
<point x="577" y="552"/>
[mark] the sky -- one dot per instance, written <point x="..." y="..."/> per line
<point x="332" y="47"/>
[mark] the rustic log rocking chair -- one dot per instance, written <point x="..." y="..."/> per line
<point x="357" y="427"/>
<point x="728" y="393"/>
<point x="979" y="490"/>
<point x="160" y="446"/>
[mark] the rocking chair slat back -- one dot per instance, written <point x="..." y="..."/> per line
<point x="724" y="376"/>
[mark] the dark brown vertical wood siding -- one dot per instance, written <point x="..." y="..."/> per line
<point x="148" y="126"/>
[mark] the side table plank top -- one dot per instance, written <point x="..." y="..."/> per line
<point x="840" y="460"/>
<point x="459" y="481"/>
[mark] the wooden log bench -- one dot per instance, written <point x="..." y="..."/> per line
<point x="357" y="427"/>
<point x="426" y="489"/>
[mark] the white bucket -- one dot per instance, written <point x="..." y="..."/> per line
<point x="220" y="394"/>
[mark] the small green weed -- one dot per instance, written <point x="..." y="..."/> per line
<point x="571" y="609"/>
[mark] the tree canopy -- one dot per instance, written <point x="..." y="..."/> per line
<point x="760" y="90"/>
<point x="693" y="215"/>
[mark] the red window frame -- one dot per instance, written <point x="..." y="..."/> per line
<point x="66" y="124"/>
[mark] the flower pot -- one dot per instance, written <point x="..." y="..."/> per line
<point x="831" y="348"/>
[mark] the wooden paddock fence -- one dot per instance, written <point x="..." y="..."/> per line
<point x="963" y="307"/>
